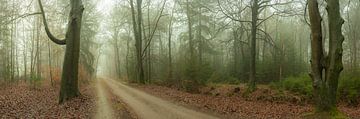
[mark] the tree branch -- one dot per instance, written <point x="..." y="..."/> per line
<point x="153" y="32"/>
<point x="231" y="17"/>
<point x="47" y="30"/>
<point x="19" y="17"/>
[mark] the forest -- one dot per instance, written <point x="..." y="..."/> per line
<point x="180" y="59"/>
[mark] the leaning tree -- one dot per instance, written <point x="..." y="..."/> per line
<point x="69" y="79"/>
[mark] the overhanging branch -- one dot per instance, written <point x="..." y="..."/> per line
<point x="47" y="30"/>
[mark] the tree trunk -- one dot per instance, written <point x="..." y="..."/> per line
<point x="334" y="64"/>
<point x="69" y="79"/>
<point x="326" y="69"/>
<point x="50" y="64"/>
<point x="137" y="26"/>
<point x="170" y="73"/>
<point x="252" y="75"/>
<point x="191" y="44"/>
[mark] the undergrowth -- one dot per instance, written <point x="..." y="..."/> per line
<point x="348" y="87"/>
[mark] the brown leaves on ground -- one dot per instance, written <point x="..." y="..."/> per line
<point x="21" y="101"/>
<point x="229" y="102"/>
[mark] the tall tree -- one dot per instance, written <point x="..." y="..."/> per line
<point x="69" y="79"/>
<point x="326" y="68"/>
<point x="254" y="23"/>
<point x="137" y="27"/>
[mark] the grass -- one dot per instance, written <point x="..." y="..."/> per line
<point x="334" y="114"/>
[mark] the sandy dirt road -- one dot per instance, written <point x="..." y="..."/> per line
<point x="150" y="107"/>
<point x="103" y="110"/>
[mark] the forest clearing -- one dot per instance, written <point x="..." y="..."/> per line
<point x="180" y="59"/>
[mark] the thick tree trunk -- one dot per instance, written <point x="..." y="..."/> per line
<point x="317" y="56"/>
<point x="334" y="61"/>
<point x="326" y="69"/>
<point x="69" y="80"/>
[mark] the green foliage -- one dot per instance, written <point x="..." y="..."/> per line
<point x="301" y="84"/>
<point x="349" y="89"/>
<point x="197" y="75"/>
<point x="35" y="81"/>
<point x="223" y="78"/>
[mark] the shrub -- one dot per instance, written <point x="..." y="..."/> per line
<point x="196" y="76"/>
<point x="223" y="78"/>
<point x="349" y="89"/>
<point x="35" y="81"/>
<point x="301" y="84"/>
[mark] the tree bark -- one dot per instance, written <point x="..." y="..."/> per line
<point x="334" y="60"/>
<point x="252" y="75"/>
<point x="137" y="26"/>
<point x="326" y="69"/>
<point x="69" y="79"/>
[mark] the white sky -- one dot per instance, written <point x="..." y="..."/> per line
<point x="105" y="6"/>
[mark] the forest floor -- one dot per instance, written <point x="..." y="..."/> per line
<point x="107" y="98"/>
<point x="228" y="101"/>
<point x="22" y="100"/>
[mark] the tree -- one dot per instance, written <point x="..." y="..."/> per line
<point x="69" y="79"/>
<point x="256" y="8"/>
<point x="254" y="23"/>
<point x="326" y="68"/>
<point x="137" y="27"/>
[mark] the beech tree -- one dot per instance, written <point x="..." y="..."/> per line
<point x="69" y="79"/>
<point x="326" y="67"/>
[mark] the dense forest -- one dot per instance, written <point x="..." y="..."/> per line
<point x="222" y="58"/>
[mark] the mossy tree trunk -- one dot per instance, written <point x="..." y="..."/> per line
<point x="326" y="68"/>
<point x="69" y="79"/>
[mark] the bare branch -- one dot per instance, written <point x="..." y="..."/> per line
<point x="47" y="30"/>
<point x="231" y="17"/>
<point x="19" y="17"/>
<point x="153" y="32"/>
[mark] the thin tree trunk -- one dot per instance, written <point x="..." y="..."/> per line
<point x="50" y="64"/>
<point x="170" y="75"/>
<point x="137" y="26"/>
<point x="191" y="45"/>
<point x="252" y="76"/>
